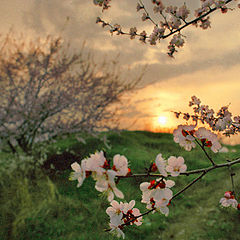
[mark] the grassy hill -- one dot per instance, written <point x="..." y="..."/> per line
<point x="44" y="207"/>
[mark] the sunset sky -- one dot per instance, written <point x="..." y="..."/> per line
<point x="208" y="66"/>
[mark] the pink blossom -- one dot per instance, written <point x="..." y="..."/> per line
<point x="182" y="12"/>
<point x="184" y="136"/>
<point x="194" y="101"/>
<point x="97" y="163"/>
<point x="161" y="165"/>
<point x="177" y="40"/>
<point x="144" y="17"/>
<point x="120" y="165"/>
<point x="229" y="200"/>
<point x="176" y="166"/>
<point x="79" y="172"/>
<point x="105" y="183"/>
<point x="115" y="210"/>
<point x="133" y="32"/>
<point x="208" y="139"/>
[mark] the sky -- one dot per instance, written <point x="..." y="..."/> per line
<point x="208" y="66"/>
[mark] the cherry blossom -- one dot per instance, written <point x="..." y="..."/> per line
<point x="161" y="165"/>
<point x="130" y="212"/>
<point x="176" y="166"/>
<point x="184" y="136"/>
<point x="228" y="200"/>
<point x="122" y="214"/>
<point x="120" y="165"/>
<point x="97" y="163"/>
<point x="116" y="229"/>
<point x="79" y="172"/>
<point x="105" y="183"/>
<point x="177" y="40"/>
<point x="157" y="194"/>
<point x="194" y="101"/>
<point x="208" y="139"/>
<point x="115" y="210"/>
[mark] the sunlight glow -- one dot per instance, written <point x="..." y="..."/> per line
<point x="162" y="120"/>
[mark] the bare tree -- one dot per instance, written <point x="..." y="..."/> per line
<point x="46" y="90"/>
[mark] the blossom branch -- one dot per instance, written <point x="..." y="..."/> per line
<point x="133" y="219"/>
<point x="175" y="25"/>
<point x="203" y="171"/>
<point x="194" y="20"/>
<point x="196" y="171"/>
<point x="189" y="185"/>
<point x="148" y="16"/>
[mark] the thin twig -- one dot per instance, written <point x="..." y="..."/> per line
<point x="232" y="174"/>
<point x="148" y="16"/>
<point x="189" y="185"/>
<point x="204" y="150"/>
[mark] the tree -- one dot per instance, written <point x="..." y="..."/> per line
<point x="46" y="90"/>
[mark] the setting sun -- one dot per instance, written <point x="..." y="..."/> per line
<point x="162" y="120"/>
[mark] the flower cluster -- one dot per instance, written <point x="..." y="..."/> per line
<point x="156" y="35"/>
<point x="174" y="165"/>
<point x="186" y="135"/>
<point x="229" y="200"/>
<point x="122" y="214"/>
<point x="99" y="168"/>
<point x="105" y="4"/>
<point x="221" y="121"/>
<point x="156" y="193"/>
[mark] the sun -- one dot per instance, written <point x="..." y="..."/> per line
<point x="162" y="120"/>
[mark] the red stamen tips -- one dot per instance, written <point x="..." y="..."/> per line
<point x="106" y="165"/>
<point x="152" y="183"/>
<point x="129" y="172"/>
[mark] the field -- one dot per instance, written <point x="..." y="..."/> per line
<point x="47" y="206"/>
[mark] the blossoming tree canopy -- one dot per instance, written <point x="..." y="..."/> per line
<point x="46" y="91"/>
<point x="171" y="20"/>
<point x="158" y="194"/>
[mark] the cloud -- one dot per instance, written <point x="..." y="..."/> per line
<point x="209" y="58"/>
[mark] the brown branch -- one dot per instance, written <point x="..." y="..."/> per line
<point x="189" y="185"/>
<point x="196" y="171"/>
<point x="194" y="20"/>
<point x="204" y="150"/>
<point x="148" y="16"/>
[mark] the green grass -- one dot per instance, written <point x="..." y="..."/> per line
<point x="53" y="208"/>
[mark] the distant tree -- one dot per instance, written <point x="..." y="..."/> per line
<point x="46" y="89"/>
